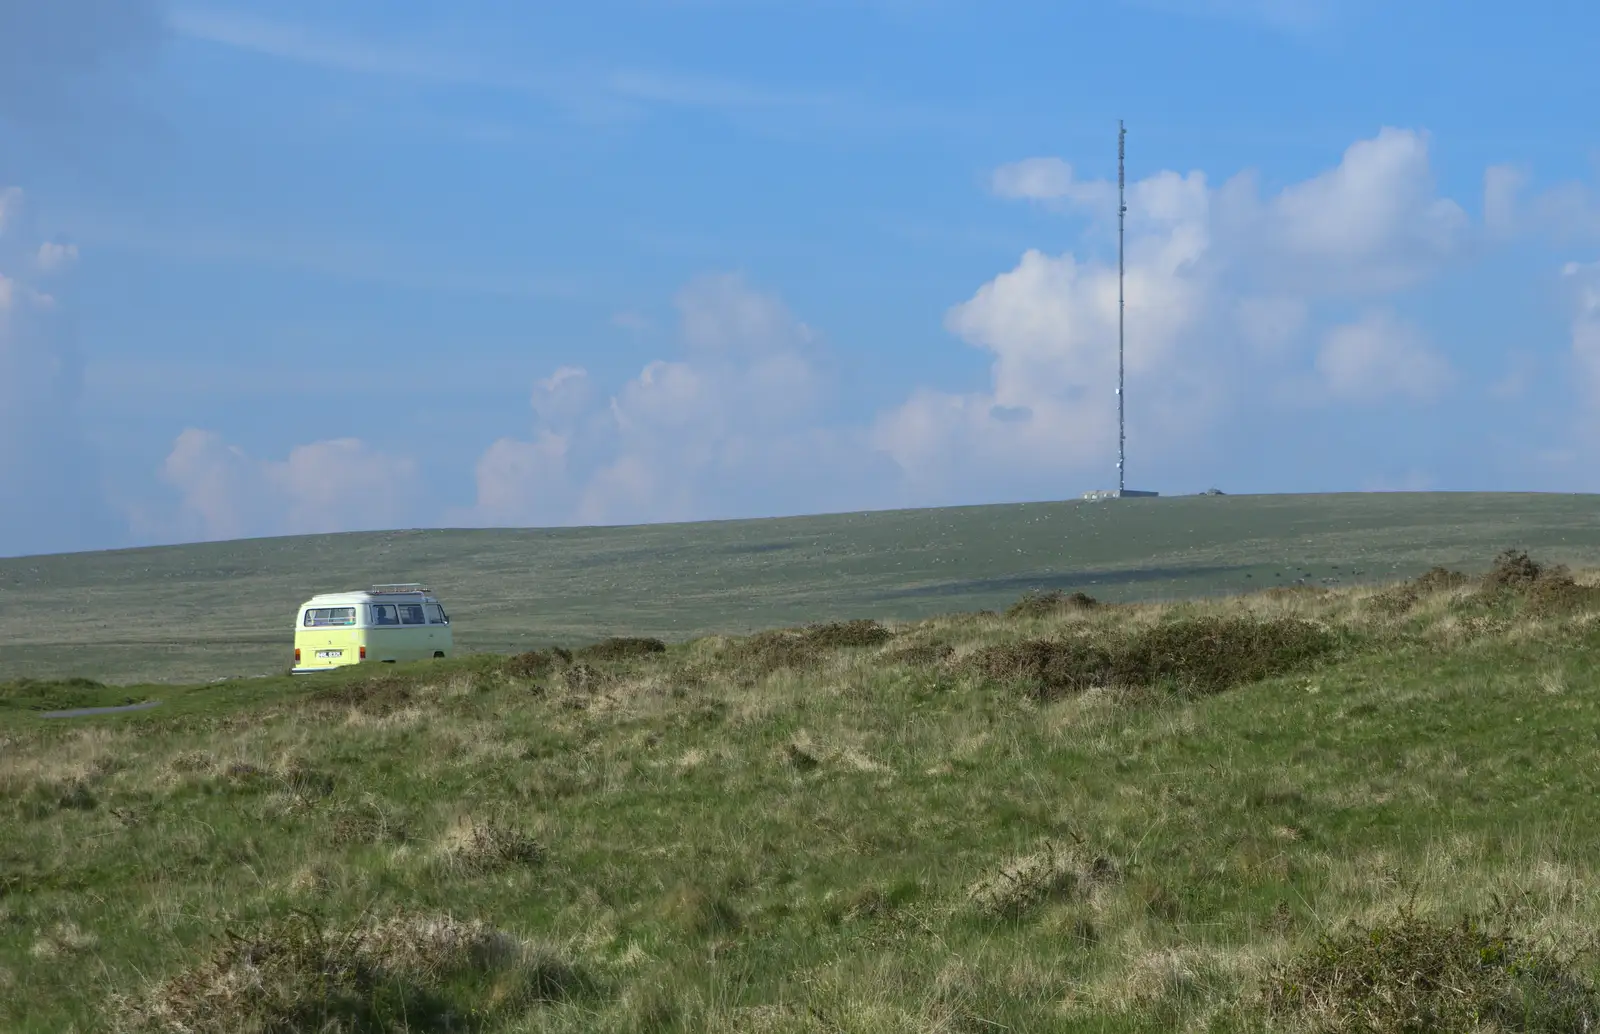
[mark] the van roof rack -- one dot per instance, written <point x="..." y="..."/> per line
<point x="398" y="587"/>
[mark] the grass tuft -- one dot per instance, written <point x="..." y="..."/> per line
<point x="484" y="847"/>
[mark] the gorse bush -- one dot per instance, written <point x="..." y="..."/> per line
<point x="1044" y="604"/>
<point x="1202" y="655"/>
<point x="1414" y="975"/>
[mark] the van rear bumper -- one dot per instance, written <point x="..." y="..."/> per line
<point x="320" y="667"/>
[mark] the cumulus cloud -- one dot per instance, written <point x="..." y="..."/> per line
<point x="338" y="485"/>
<point x="1379" y="357"/>
<point x="50" y="492"/>
<point x="1050" y="179"/>
<point x="1221" y="287"/>
<point x="53" y="257"/>
<point x="730" y="427"/>
<point x="1374" y="223"/>
<point x="1567" y="212"/>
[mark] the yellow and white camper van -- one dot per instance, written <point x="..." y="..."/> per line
<point x="384" y="623"/>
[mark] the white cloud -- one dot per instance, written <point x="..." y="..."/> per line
<point x="632" y="322"/>
<point x="1565" y="212"/>
<point x="53" y="257"/>
<point x="50" y="493"/>
<point x="1371" y="224"/>
<point x="728" y="428"/>
<point x="337" y="485"/>
<point x="1050" y="179"/>
<point x="1380" y="357"/>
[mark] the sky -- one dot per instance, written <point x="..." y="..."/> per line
<point x="293" y="267"/>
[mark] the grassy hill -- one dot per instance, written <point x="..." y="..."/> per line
<point x="1303" y="809"/>
<point x="210" y="611"/>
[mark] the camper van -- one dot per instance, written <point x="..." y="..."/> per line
<point x="385" y="623"/>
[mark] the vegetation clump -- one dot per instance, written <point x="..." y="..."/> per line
<point x="1415" y="975"/>
<point x="801" y="649"/>
<point x="376" y="696"/>
<point x="1044" y="604"/>
<point x="483" y="847"/>
<point x="1022" y="885"/>
<point x="620" y="648"/>
<point x="1203" y="655"/>
<point x="532" y="664"/>
<point x="1546" y="590"/>
<point x="294" y="974"/>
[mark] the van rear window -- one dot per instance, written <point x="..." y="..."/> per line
<point x="328" y="617"/>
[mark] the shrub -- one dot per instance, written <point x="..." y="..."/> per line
<point x="1205" y="655"/>
<point x="619" y="648"/>
<point x="1044" y="604"/>
<point x="1419" y="976"/>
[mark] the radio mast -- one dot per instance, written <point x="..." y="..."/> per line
<point x="1122" y="491"/>
<point x="1122" y="211"/>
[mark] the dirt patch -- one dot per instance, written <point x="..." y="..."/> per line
<point x="621" y="648"/>
<point x="404" y="973"/>
<point x="1045" y="604"/>
<point x="1202" y="655"/>
<point x="1418" y="976"/>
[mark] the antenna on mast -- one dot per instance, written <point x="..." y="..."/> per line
<point x="1122" y="211"/>
<point x="1122" y="491"/>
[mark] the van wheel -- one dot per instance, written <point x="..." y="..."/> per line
<point x="438" y="655"/>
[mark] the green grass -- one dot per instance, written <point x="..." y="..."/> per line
<point x="848" y="828"/>
<point x="194" y="613"/>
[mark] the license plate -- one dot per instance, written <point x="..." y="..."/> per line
<point x="324" y="654"/>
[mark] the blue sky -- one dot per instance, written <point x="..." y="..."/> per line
<point x="288" y="267"/>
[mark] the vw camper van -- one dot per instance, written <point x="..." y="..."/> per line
<point x="384" y="623"/>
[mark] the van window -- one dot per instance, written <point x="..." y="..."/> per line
<point x="329" y="617"/>
<point x="436" y="615"/>
<point x="384" y="614"/>
<point x="411" y="614"/>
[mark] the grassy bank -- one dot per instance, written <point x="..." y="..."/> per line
<point x="1065" y="816"/>
<point x="192" y="613"/>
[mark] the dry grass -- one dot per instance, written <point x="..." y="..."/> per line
<point x="833" y="828"/>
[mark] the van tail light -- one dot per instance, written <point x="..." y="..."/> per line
<point x="363" y="653"/>
<point x="297" y="655"/>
